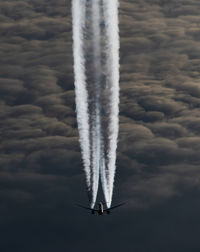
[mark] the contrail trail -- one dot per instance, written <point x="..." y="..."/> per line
<point x="112" y="34"/>
<point x="96" y="134"/>
<point x="96" y="69"/>
<point x="78" y="13"/>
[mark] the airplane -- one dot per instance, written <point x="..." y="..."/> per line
<point x="101" y="209"/>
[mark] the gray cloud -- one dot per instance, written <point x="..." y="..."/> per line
<point x="158" y="153"/>
<point x="159" y="85"/>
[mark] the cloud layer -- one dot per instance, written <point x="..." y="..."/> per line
<point x="159" y="139"/>
<point x="159" y="111"/>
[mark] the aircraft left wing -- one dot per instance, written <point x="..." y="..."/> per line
<point x="88" y="208"/>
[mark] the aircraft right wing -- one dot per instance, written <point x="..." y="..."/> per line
<point x="115" y="206"/>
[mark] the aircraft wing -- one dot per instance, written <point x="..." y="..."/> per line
<point x="115" y="206"/>
<point x="88" y="208"/>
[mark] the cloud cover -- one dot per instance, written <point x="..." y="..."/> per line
<point x="158" y="154"/>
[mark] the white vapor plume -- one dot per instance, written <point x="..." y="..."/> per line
<point x="96" y="133"/>
<point x="96" y="68"/>
<point x="112" y="33"/>
<point x="78" y="13"/>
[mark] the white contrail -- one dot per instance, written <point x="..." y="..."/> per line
<point x="96" y="134"/>
<point x="103" y="175"/>
<point x="98" y="62"/>
<point x="99" y="143"/>
<point x="112" y="33"/>
<point x="78" y="13"/>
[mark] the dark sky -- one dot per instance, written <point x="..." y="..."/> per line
<point x="158" y="173"/>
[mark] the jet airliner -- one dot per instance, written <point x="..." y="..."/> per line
<point x="101" y="209"/>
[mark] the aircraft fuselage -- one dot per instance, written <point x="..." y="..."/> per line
<point x="100" y="212"/>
